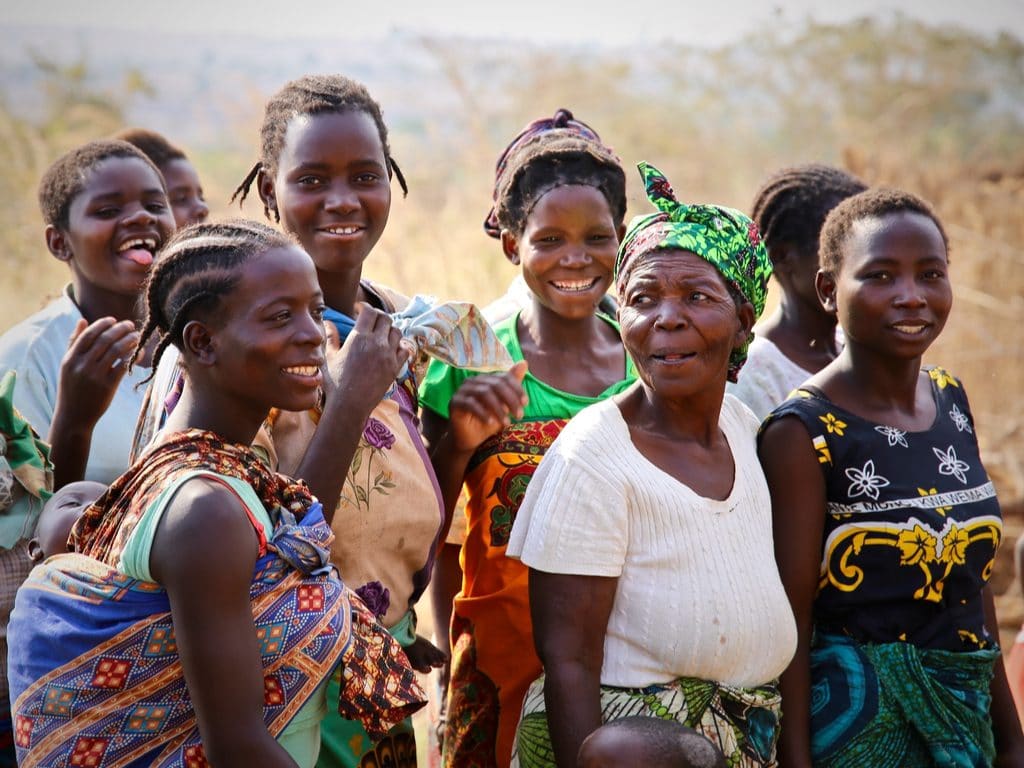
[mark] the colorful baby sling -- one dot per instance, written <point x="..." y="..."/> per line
<point x="95" y="672"/>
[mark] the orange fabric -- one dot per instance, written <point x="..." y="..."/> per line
<point x="493" y="660"/>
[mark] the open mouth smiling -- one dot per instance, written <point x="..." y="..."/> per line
<point x="575" y="286"/>
<point x="139" y="250"/>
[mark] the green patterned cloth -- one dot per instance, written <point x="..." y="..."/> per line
<point x="26" y="476"/>
<point x="724" y="237"/>
<point x="741" y="722"/>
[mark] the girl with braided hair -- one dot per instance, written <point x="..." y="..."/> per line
<point x="559" y="202"/>
<point x="799" y="338"/>
<point x="195" y="622"/>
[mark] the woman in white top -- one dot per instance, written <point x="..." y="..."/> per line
<point x="647" y="527"/>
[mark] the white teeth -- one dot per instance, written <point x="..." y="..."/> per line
<point x="139" y="242"/>
<point x="576" y="285"/>
<point x="342" y="230"/>
<point x="302" y="370"/>
<point x="909" y="328"/>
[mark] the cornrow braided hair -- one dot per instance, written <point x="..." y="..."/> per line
<point x="313" y="95"/>
<point x="152" y="144"/>
<point x="549" y="153"/>
<point x="872" y="204"/>
<point x="197" y="267"/>
<point x="792" y="204"/>
<point x="65" y="179"/>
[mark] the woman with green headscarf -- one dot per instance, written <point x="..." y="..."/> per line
<point x="647" y="527"/>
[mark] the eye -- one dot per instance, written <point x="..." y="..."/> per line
<point x="108" y="212"/>
<point x="699" y="296"/>
<point x="156" y="207"/>
<point x="878" y="274"/>
<point x="934" y="274"/>
<point x="367" y="178"/>
<point x="308" y="181"/>
<point x="281" y="317"/>
<point x="640" y="300"/>
<point x="318" y="312"/>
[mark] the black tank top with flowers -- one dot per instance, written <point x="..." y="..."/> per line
<point x="912" y="523"/>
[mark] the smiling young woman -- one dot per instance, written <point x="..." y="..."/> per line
<point x="885" y="521"/>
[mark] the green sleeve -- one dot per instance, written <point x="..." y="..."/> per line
<point x="439" y="384"/>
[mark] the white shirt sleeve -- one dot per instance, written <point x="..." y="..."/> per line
<point x="574" y="518"/>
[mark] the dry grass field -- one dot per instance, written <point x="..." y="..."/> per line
<point x="936" y="111"/>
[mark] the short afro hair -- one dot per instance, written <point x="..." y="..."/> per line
<point x="64" y="180"/>
<point x="153" y="145"/>
<point x="872" y="204"/>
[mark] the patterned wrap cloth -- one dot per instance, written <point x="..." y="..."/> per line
<point x="563" y="122"/>
<point x="742" y="722"/>
<point x="724" y="237"/>
<point x="95" y="671"/>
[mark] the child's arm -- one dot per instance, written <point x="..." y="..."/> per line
<point x="356" y="376"/>
<point x="207" y="579"/>
<point x="90" y="374"/>
<point x="798" y="520"/>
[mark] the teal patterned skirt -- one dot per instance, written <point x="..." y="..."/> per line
<point x="893" y="705"/>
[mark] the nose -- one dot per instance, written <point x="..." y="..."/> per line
<point x="909" y="294"/>
<point x="341" y="197"/>
<point x="575" y="256"/>
<point x="671" y="315"/>
<point x="200" y="211"/>
<point x="140" y="216"/>
<point x="311" y="330"/>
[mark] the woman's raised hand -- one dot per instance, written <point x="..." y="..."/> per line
<point x="483" y="405"/>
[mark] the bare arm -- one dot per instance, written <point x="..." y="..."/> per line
<point x="798" y="520"/>
<point x="207" y="579"/>
<point x="570" y="617"/>
<point x="1005" y="724"/>
<point x="90" y="374"/>
<point x="357" y="375"/>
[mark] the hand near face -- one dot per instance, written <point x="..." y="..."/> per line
<point x="94" y="365"/>
<point x="364" y="368"/>
<point x="483" y="405"/>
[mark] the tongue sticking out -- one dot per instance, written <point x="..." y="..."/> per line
<point x="139" y="256"/>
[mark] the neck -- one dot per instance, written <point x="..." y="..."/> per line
<point x="881" y="382"/>
<point x="341" y="289"/>
<point x="552" y="331"/>
<point x="95" y="303"/>
<point x="810" y="325"/>
<point x="693" y="418"/>
<point x="227" y="419"/>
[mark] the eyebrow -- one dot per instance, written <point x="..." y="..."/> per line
<point x="117" y="194"/>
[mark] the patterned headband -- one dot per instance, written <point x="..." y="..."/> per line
<point x="724" y="237"/>
<point x="562" y="121"/>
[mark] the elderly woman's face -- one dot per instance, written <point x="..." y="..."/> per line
<point x="679" y="323"/>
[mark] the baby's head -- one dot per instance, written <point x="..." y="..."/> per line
<point x="648" y="742"/>
<point x="59" y="515"/>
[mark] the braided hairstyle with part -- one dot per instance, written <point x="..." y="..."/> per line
<point x="791" y="206"/>
<point x="153" y="145"/>
<point x="550" y="153"/>
<point x="65" y="179"/>
<point x="197" y="267"/>
<point x="312" y="95"/>
<point x="872" y="204"/>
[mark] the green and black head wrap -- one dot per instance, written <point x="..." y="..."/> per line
<point x="724" y="237"/>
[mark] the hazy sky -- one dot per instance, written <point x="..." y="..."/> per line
<point x="572" y="21"/>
